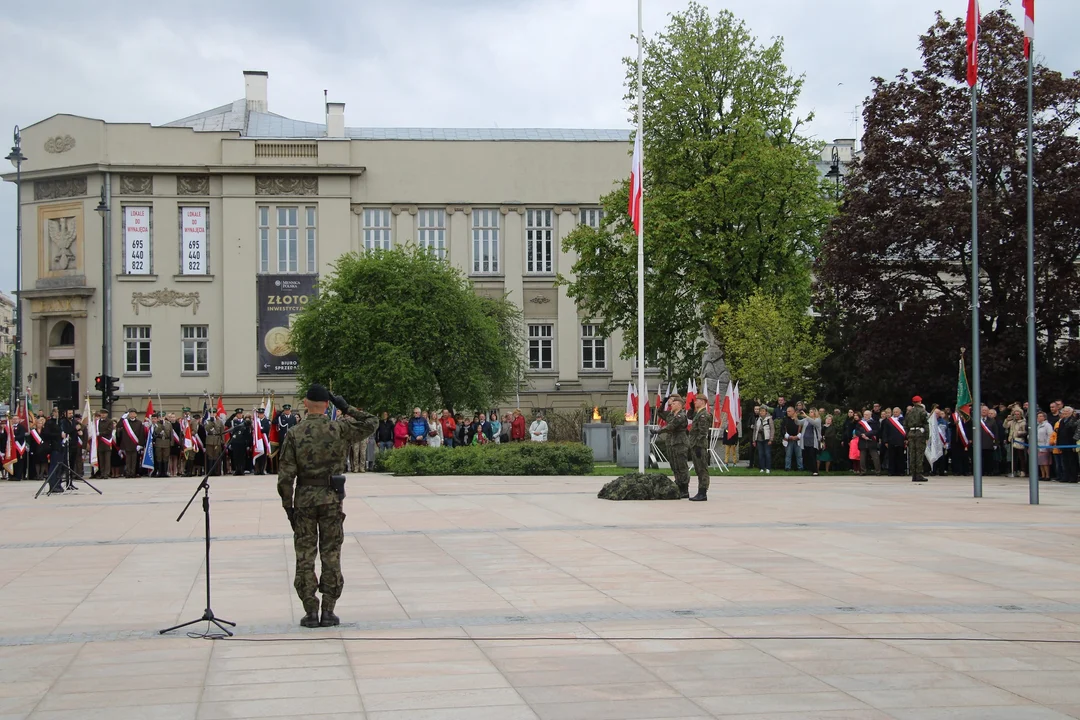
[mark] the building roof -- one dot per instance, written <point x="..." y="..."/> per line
<point x="234" y="117"/>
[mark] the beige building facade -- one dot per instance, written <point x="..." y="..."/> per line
<point x="220" y="223"/>
<point x="7" y="324"/>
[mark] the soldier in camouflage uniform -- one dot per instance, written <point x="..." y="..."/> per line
<point x="678" y="443"/>
<point x="215" y="443"/>
<point x="917" y="425"/>
<point x="699" y="446"/>
<point x="311" y="453"/>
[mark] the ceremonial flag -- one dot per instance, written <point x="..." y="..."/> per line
<point x="271" y="416"/>
<point x="736" y="408"/>
<point x="1029" y="26"/>
<point x="729" y="413"/>
<point x="25" y="409"/>
<point x="221" y="410"/>
<point x="935" y="448"/>
<point x="634" y="206"/>
<point x="691" y="393"/>
<point x="258" y="445"/>
<point x="629" y="399"/>
<point x="149" y="407"/>
<point x="963" y="392"/>
<point x="189" y="441"/>
<point x="11" y="455"/>
<point x="717" y="412"/>
<point x="91" y="431"/>
<point x="974" y="21"/>
<point x="148" y="452"/>
<point x="648" y="406"/>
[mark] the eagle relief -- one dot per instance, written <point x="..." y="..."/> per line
<point x="62" y="233"/>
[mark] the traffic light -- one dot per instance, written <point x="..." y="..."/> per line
<point x="108" y="386"/>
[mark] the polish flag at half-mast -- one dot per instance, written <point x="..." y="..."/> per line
<point x="634" y="206"/>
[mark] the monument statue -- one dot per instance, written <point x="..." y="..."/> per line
<point x="62" y="236"/>
<point x="713" y="367"/>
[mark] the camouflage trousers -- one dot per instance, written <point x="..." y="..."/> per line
<point x="320" y="530"/>
<point x="916" y="453"/>
<point x="677" y="456"/>
<point x="701" y="467"/>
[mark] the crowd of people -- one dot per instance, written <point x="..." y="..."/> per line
<point x="875" y="440"/>
<point x="157" y="444"/>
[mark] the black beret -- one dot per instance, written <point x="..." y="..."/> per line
<point x="318" y="393"/>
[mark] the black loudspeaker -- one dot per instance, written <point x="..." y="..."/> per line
<point x="58" y="383"/>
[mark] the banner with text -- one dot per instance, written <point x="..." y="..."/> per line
<point x="136" y="240"/>
<point x="280" y="298"/>
<point x="194" y="258"/>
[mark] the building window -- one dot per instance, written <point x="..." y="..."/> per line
<point x="264" y="239"/>
<point x="138" y="240"/>
<point x="136" y="349"/>
<point x="195" y="338"/>
<point x="591" y="217"/>
<point x="540" y="339"/>
<point x="376" y="229"/>
<point x="593" y="348"/>
<point x="485" y="240"/>
<point x="194" y="240"/>
<point x="309" y="229"/>
<point x="287" y="232"/>
<point x="538" y="242"/>
<point x="431" y="231"/>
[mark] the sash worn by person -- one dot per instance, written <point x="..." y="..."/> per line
<point x="311" y="455"/>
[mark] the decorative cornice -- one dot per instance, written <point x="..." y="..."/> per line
<point x="398" y="209"/>
<point x="59" y="144"/>
<point x="59" y="188"/>
<point x="165" y="297"/>
<point x="286" y="185"/>
<point x="560" y="209"/>
<point x="506" y="209"/>
<point x="540" y="299"/>
<point x="136" y="184"/>
<point x="464" y="209"/>
<point x="192" y="184"/>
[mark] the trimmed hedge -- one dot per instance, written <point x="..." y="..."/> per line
<point x="520" y="458"/>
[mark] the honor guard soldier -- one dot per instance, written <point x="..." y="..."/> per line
<point x="163" y="444"/>
<point x="264" y="426"/>
<point x="215" y="442"/>
<point x="699" y="446"/>
<point x="311" y="456"/>
<point x="284" y="421"/>
<point x="678" y="443"/>
<point x="239" y="442"/>
<point x="105" y="428"/>
<point x="917" y="424"/>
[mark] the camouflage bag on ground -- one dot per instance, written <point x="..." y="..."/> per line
<point x="637" y="486"/>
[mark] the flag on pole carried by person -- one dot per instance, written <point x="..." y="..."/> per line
<point x="148" y="451"/>
<point x="1029" y="26"/>
<point x="935" y="445"/>
<point x="91" y="432"/>
<point x="691" y="393"/>
<point x="11" y="455"/>
<point x="634" y="206"/>
<point x="963" y="392"/>
<point x="974" y="21"/>
<point x="221" y="414"/>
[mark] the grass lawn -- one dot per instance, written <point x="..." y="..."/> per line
<point x="610" y="469"/>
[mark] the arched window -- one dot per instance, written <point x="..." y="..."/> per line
<point x="63" y="334"/>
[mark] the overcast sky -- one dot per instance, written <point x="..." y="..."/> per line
<point x="433" y="63"/>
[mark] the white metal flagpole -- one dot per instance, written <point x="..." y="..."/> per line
<point x="642" y="430"/>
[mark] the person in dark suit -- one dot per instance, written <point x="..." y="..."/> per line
<point x="239" y="441"/>
<point x="264" y="425"/>
<point x="868" y="430"/>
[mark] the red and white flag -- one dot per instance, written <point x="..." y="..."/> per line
<point x="973" y="24"/>
<point x="728" y="411"/>
<point x="91" y="430"/>
<point x="634" y="207"/>
<point x="736" y="407"/>
<point x="629" y="399"/>
<point x="717" y="407"/>
<point x="648" y="405"/>
<point x="258" y="445"/>
<point x="691" y="393"/>
<point x="1029" y="26"/>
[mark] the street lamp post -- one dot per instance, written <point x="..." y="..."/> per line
<point x="834" y="170"/>
<point x="17" y="159"/>
<point x="106" y="294"/>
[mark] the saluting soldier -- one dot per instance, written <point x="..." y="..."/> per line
<point x="163" y="444"/>
<point x="917" y="424"/>
<point x="311" y="454"/>
<point x="699" y="446"/>
<point x="678" y="443"/>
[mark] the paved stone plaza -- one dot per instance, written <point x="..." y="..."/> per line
<point x="85" y="582"/>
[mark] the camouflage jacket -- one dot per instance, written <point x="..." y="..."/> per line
<point x="675" y="429"/>
<point x="215" y="433"/>
<point x="699" y="433"/>
<point x="315" y="449"/>
<point x="917" y="420"/>
<point x="163" y="439"/>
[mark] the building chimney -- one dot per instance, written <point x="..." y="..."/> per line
<point x="335" y="120"/>
<point x="255" y="90"/>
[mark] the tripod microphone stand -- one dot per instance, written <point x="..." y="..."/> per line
<point x="68" y="476"/>
<point x="208" y="613"/>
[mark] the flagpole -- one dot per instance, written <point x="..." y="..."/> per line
<point x="642" y="440"/>
<point x="976" y="389"/>
<point x="1033" y="408"/>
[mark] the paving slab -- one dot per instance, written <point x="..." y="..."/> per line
<point x="527" y="597"/>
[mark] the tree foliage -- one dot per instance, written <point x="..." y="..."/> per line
<point x="771" y="347"/>
<point x="896" y="262"/>
<point x="733" y="200"/>
<point x="391" y="330"/>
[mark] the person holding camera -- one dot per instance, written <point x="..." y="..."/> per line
<point x="312" y="490"/>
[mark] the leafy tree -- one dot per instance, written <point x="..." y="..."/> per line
<point x="771" y="347"/>
<point x="733" y="200"/>
<point x="397" y="329"/>
<point x="896" y="262"/>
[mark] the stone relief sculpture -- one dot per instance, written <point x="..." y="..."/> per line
<point x="165" y="297"/>
<point x="61" y="188"/>
<point x="62" y="234"/>
<point x="136" y="184"/>
<point x="286" y="185"/>
<point x="192" y="184"/>
<point x="59" y="144"/>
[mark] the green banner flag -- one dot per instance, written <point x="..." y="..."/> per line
<point x="963" y="392"/>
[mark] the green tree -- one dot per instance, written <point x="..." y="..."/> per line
<point x="771" y="347"/>
<point x="733" y="199"/>
<point x="397" y="329"/>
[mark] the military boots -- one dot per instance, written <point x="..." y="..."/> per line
<point x="311" y="618"/>
<point x="329" y="619"/>
<point x="700" y="497"/>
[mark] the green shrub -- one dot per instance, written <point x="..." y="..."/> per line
<point x="522" y="458"/>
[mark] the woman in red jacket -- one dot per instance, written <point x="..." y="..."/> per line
<point x="517" y="427"/>
<point x="401" y="433"/>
